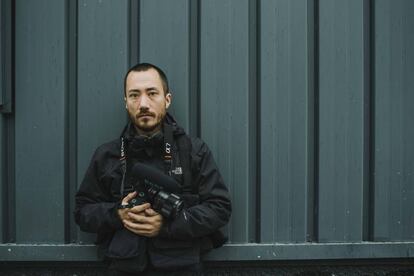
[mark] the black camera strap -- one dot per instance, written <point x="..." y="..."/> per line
<point x="168" y="142"/>
<point x="184" y="155"/>
<point x="123" y="166"/>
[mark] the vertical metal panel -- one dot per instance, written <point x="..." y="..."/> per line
<point x="224" y="76"/>
<point x="341" y="120"/>
<point x="2" y="12"/>
<point x="6" y="57"/>
<point x="7" y="178"/>
<point x="394" y="113"/>
<point x="1" y="127"/>
<point x="102" y="63"/>
<point x="40" y="88"/>
<point x="165" y="41"/>
<point x="286" y="112"/>
<point x="2" y="180"/>
<point x="71" y="179"/>
<point x="242" y="74"/>
<point x="6" y="73"/>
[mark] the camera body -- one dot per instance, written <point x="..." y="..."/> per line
<point x="163" y="202"/>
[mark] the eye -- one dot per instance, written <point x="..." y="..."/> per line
<point x="152" y="93"/>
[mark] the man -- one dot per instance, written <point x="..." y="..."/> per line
<point x="139" y="238"/>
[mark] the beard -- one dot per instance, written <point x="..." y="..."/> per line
<point x="147" y="122"/>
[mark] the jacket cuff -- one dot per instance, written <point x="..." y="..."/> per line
<point x="116" y="221"/>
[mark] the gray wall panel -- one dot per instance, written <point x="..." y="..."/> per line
<point x="40" y="90"/>
<point x="1" y="127"/>
<point x="102" y="63"/>
<point x="341" y="120"/>
<point x="394" y="113"/>
<point x="6" y="43"/>
<point x="298" y="100"/>
<point x="224" y="78"/>
<point x="2" y="177"/>
<point x="285" y="105"/>
<point x="165" y="42"/>
<point x="1" y="54"/>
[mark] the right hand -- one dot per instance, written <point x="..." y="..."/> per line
<point x="140" y="219"/>
<point x="139" y="209"/>
<point x="123" y="213"/>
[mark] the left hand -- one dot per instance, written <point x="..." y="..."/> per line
<point x="147" y="223"/>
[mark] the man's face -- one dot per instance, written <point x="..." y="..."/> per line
<point x="146" y="100"/>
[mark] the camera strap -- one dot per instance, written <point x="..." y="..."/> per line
<point x="184" y="154"/>
<point x="168" y="142"/>
<point x="123" y="166"/>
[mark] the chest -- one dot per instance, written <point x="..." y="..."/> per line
<point x="112" y="179"/>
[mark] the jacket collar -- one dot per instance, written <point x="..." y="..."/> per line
<point x="129" y="131"/>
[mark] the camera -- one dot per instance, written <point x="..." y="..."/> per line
<point x="163" y="202"/>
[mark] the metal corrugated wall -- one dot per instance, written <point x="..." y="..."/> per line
<point x="306" y="105"/>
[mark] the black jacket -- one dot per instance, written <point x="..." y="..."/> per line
<point x="195" y="227"/>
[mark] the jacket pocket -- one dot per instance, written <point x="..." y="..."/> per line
<point x="173" y="254"/>
<point x="125" y="244"/>
<point x="127" y="252"/>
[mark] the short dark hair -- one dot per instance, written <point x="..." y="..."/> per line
<point x="145" y="67"/>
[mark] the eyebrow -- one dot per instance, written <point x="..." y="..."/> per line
<point x="147" y="89"/>
<point x="132" y="91"/>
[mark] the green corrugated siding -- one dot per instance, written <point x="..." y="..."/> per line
<point x="306" y="106"/>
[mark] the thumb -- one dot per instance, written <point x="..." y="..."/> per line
<point x="129" y="197"/>
<point x="150" y="212"/>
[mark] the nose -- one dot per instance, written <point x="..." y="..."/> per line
<point x="144" y="102"/>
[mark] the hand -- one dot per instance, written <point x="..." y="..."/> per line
<point x="123" y="213"/>
<point x="144" y="221"/>
<point x="140" y="219"/>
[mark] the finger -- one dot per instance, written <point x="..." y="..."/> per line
<point x="143" y="229"/>
<point x="128" y="198"/>
<point x="137" y="227"/>
<point x="144" y="233"/>
<point x="138" y="218"/>
<point x="150" y="212"/>
<point x="139" y="232"/>
<point x="140" y="208"/>
<point x="122" y="213"/>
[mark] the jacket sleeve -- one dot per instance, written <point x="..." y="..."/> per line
<point x="95" y="211"/>
<point x="214" y="206"/>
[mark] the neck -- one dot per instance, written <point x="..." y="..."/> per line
<point x="147" y="133"/>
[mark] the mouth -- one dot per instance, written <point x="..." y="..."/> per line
<point x="146" y="115"/>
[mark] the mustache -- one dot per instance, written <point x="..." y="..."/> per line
<point x="145" y="113"/>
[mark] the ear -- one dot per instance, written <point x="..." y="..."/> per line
<point x="168" y="99"/>
<point x="126" y="106"/>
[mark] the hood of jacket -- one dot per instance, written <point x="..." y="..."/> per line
<point x="137" y="141"/>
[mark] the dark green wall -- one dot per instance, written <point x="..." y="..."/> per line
<point x="306" y="105"/>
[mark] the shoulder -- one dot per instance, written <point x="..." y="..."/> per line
<point x="195" y="144"/>
<point x="187" y="143"/>
<point x="106" y="154"/>
<point x="111" y="147"/>
<point x="199" y="147"/>
<point x="106" y="157"/>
